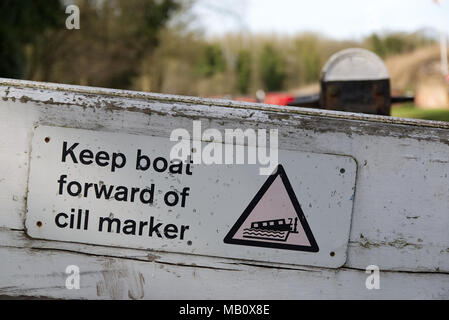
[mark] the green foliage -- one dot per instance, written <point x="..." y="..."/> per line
<point x="133" y="37"/>
<point x="272" y="68"/>
<point x="243" y="70"/>
<point x="212" y="61"/>
<point x="156" y="14"/>
<point x="308" y="57"/>
<point x="141" y="20"/>
<point x="21" y="23"/>
<point x="110" y="49"/>
<point x="376" y="44"/>
<point x="395" y="43"/>
<point x="129" y="44"/>
<point x="411" y="111"/>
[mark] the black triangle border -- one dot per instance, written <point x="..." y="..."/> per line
<point x="254" y="243"/>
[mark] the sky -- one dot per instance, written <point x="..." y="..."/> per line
<point x="339" y="19"/>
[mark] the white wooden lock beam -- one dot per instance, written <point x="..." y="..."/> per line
<point x="398" y="219"/>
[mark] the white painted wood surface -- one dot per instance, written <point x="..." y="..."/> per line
<point x="400" y="218"/>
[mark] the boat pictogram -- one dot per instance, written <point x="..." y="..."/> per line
<point x="277" y="230"/>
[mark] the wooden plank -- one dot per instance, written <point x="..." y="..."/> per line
<point x="400" y="210"/>
<point x="38" y="272"/>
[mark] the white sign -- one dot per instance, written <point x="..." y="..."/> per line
<point x="122" y="190"/>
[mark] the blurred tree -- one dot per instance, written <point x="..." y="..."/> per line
<point x="272" y="69"/>
<point x="395" y="43"/>
<point x="243" y="70"/>
<point x="308" y="57"/>
<point x="22" y="22"/>
<point x="113" y="45"/>
<point x="174" y="63"/>
<point x="212" y="61"/>
<point x="134" y="36"/>
<point x="136" y="44"/>
<point x="375" y="44"/>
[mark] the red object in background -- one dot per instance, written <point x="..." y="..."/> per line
<point x="447" y="77"/>
<point x="279" y="99"/>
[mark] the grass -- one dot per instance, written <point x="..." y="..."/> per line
<point x="410" y="111"/>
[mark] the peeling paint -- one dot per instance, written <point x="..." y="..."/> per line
<point x="398" y="243"/>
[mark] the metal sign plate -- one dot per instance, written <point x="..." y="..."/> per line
<point x="86" y="186"/>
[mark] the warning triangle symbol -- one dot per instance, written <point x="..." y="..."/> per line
<point x="274" y="219"/>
